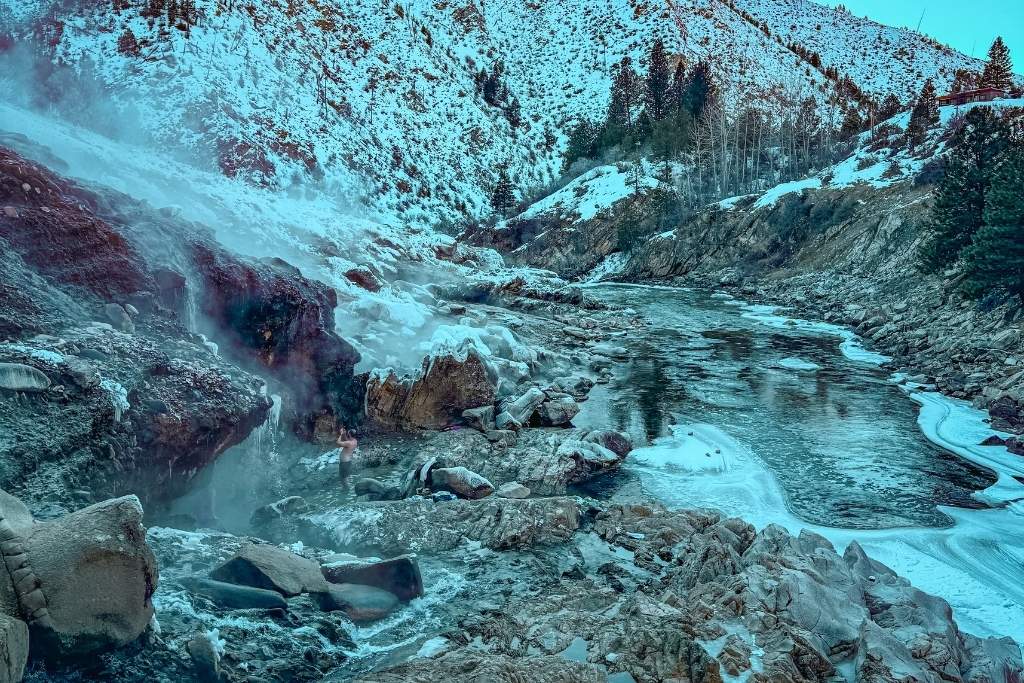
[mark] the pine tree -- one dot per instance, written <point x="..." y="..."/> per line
<point x="998" y="71"/>
<point x="924" y="116"/>
<point x="959" y="209"/>
<point x="890" y="106"/>
<point x="657" y="83"/>
<point x="677" y="87"/>
<point x="622" y="106"/>
<point x="852" y="124"/>
<point x="700" y="91"/>
<point x="581" y="145"/>
<point x="956" y="215"/>
<point x="995" y="260"/>
<point x="503" y="196"/>
<point x="127" y="44"/>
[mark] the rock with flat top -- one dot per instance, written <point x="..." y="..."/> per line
<point x="271" y="568"/>
<point x="512" y="489"/>
<point x="234" y="596"/>
<point x="22" y="378"/>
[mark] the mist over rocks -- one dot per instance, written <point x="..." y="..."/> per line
<point x="270" y="312"/>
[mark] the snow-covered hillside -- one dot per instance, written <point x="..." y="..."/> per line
<point x="379" y="100"/>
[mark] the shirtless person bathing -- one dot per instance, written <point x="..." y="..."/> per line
<point x="347" y="445"/>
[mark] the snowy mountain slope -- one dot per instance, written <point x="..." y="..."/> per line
<point x="378" y="99"/>
<point x="880" y="59"/>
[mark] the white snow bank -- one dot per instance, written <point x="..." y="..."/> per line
<point x="586" y="196"/>
<point x="773" y="195"/>
<point x="613" y="264"/>
<point x="851" y="346"/>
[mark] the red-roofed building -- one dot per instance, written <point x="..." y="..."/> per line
<point x="968" y="96"/>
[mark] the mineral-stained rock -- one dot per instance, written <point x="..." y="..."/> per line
<point x="446" y="387"/>
<point x="97" y="574"/>
<point x="270" y="311"/>
<point x="616" y="442"/>
<point x="461" y="481"/>
<point x="271" y="568"/>
<point x="361" y="603"/>
<point x="13" y="648"/>
<point x="398" y="575"/>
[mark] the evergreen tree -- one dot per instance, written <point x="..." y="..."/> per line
<point x="995" y="259"/>
<point x="622" y="106"/>
<point x="503" y="196"/>
<point x="959" y="209"/>
<point x="890" y="106"/>
<point x="127" y="44"/>
<point x="964" y="80"/>
<point x="924" y="116"/>
<point x="700" y="91"/>
<point x="998" y="71"/>
<point x="657" y="83"/>
<point x="852" y="124"/>
<point x="677" y="87"/>
<point x="956" y="215"/>
<point x="582" y="143"/>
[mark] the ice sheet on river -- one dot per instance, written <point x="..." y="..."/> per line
<point x="851" y="345"/>
<point x="975" y="564"/>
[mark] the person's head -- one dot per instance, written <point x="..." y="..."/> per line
<point x="344" y="434"/>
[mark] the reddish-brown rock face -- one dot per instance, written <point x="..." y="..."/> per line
<point x="52" y="224"/>
<point x="269" y="311"/>
<point x="446" y="387"/>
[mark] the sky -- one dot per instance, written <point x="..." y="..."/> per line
<point x="968" y="26"/>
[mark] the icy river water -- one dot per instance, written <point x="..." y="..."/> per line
<point x="784" y="421"/>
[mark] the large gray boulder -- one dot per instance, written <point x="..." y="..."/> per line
<point x="522" y="408"/>
<point x="22" y="378"/>
<point x="557" y="412"/>
<point x="271" y="568"/>
<point x="97" y="574"/>
<point x="361" y="603"/>
<point x="234" y="596"/>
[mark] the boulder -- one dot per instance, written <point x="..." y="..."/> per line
<point x="557" y="412"/>
<point x="363" y="277"/>
<point x="461" y="481"/>
<point x="13" y="648"/>
<point x="522" y="408"/>
<point x="590" y="459"/>
<point x="271" y="568"/>
<point x="97" y="574"/>
<point x="504" y="422"/>
<point x="512" y="489"/>
<point x="205" y="657"/>
<point x="481" y="418"/>
<point x="616" y="442"/>
<point x="234" y="596"/>
<point x="270" y="312"/>
<point x="20" y="377"/>
<point x="398" y="575"/>
<point x="445" y="387"/>
<point x="360" y="603"/>
<point x="119" y="318"/>
<point x="292" y="505"/>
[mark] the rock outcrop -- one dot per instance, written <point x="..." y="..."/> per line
<point x="268" y="311"/>
<point x="446" y="387"/>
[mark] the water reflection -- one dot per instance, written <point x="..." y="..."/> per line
<point x="842" y="440"/>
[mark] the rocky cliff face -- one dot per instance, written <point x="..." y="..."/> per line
<point x="105" y="390"/>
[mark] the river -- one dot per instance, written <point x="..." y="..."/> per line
<point x="783" y="421"/>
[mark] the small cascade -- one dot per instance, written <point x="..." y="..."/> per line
<point x="191" y="309"/>
<point x="263" y="439"/>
